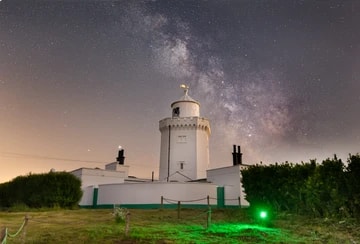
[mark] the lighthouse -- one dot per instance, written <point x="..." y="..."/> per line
<point x="184" y="150"/>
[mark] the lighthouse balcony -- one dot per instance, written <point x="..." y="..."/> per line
<point x="185" y="122"/>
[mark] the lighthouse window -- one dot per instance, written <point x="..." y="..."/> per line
<point x="176" y="112"/>
<point x="181" y="165"/>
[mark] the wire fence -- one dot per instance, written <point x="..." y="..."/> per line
<point x="5" y="235"/>
<point x="5" y="232"/>
<point x="203" y="201"/>
<point x="219" y="201"/>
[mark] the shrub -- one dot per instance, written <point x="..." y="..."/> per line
<point x="54" y="189"/>
<point x="120" y="214"/>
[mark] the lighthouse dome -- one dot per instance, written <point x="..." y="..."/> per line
<point x="185" y="106"/>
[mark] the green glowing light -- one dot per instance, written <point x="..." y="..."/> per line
<point x="263" y="214"/>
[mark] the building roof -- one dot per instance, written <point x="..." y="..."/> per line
<point x="186" y="98"/>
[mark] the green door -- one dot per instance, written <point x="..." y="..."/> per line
<point x="220" y="197"/>
<point x="95" y="197"/>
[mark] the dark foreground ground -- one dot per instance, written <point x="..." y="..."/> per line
<point x="169" y="226"/>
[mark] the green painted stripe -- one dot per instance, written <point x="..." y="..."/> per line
<point x="153" y="206"/>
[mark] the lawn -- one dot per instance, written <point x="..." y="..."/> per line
<point x="165" y="226"/>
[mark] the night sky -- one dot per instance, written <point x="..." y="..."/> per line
<point x="79" y="78"/>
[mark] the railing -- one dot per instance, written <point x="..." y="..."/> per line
<point x="5" y="233"/>
<point x="208" y="198"/>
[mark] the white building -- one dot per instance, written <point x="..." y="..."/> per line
<point x="184" y="157"/>
<point x="184" y="150"/>
<point x="228" y="180"/>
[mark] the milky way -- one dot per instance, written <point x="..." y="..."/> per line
<point x="251" y="107"/>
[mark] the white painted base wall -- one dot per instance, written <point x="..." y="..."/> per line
<point x="150" y="193"/>
<point x="87" y="197"/>
<point x="113" y="189"/>
<point x="230" y="179"/>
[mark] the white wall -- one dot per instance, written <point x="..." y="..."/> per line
<point x="183" y="150"/>
<point x="187" y="108"/>
<point x="193" y="150"/>
<point x="163" y="170"/>
<point x="150" y="193"/>
<point x="91" y="177"/>
<point x="230" y="179"/>
<point x="88" y="195"/>
<point x="115" y="166"/>
<point x="202" y="150"/>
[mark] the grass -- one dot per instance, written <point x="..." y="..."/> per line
<point x="164" y="227"/>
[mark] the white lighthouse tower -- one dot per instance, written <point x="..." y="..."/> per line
<point x="184" y="151"/>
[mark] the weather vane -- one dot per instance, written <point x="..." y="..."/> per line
<point x="185" y="87"/>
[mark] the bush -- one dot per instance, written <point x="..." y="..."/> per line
<point x="54" y="189"/>
<point x="329" y="189"/>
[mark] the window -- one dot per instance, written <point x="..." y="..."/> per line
<point x="176" y="112"/>
<point x="181" y="165"/>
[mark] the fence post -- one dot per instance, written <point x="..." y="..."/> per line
<point x="2" y="234"/>
<point x="162" y="203"/>
<point x="208" y="201"/>
<point x="239" y="202"/>
<point x="178" y="210"/>
<point x="25" y="224"/>
<point x="208" y="222"/>
<point x="127" y="224"/>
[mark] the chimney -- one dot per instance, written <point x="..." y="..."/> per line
<point x="121" y="159"/>
<point x="235" y="159"/>
<point x="237" y="155"/>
